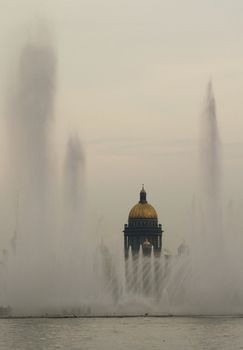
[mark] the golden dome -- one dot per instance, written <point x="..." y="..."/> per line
<point x="143" y="210"/>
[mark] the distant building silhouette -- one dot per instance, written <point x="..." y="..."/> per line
<point x="183" y="249"/>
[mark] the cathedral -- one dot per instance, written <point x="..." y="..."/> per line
<point x="143" y="229"/>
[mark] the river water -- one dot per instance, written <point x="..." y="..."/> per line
<point x="122" y="333"/>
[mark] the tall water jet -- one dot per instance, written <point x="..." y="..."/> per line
<point x="69" y="236"/>
<point x="129" y="272"/>
<point x="210" y="267"/>
<point x="211" y="168"/>
<point x="197" y="282"/>
<point x="140" y="271"/>
<point x="30" y="108"/>
<point x="206" y="285"/>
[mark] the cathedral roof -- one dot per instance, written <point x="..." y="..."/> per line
<point x="143" y="210"/>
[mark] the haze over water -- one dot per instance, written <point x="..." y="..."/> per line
<point x="53" y="265"/>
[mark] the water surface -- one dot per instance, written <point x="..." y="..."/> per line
<point x="122" y="333"/>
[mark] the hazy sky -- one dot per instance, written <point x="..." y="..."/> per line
<point x="132" y="76"/>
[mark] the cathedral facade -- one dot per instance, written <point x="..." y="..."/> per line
<point x="143" y="230"/>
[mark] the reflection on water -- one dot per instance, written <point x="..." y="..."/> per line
<point x="122" y="333"/>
